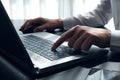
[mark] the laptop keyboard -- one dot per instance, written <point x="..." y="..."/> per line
<point x="43" y="47"/>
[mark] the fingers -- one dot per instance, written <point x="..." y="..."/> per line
<point x="42" y="27"/>
<point x="78" y="39"/>
<point x="77" y="44"/>
<point x="65" y="36"/>
<point x="76" y="35"/>
<point x="84" y="42"/>
<point x="87" y="43"/>
<point x="25" y="25"/>
<point x="81" y="38"/>
<point x="32" y="21"/>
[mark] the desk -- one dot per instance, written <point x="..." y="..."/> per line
<point x="75" y="72"/>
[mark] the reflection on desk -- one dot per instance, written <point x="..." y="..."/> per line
<point x="9" y="72"/>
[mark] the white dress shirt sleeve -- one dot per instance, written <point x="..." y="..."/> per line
<point x="98" y="17"/>
<point x="115" y="35"/>
<point x="115" y="41"/>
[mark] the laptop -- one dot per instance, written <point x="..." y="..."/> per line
<point x="32" y="53"/>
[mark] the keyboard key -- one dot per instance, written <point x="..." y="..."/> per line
<point x="43" y="47"/>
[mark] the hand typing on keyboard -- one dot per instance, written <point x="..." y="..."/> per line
<point x="79" y="37"/>
<point x="42" y="24"/>
<point x="83" y="37"/>
<point x="43" y="47"/>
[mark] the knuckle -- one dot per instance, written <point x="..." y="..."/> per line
<point x="77" y="27"/>
<point x="40" y="18"/>
<point x="89" y="34"/>
<point x="80" y="29"/>
<point x="92" y="36"/>
<point x="29" y="21"/>
<point x="63" y="34"/>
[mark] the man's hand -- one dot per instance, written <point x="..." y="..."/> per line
<point x="83" y="37"/>
<point x="48" y="24"/>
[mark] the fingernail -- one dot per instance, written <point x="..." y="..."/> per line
<point x="20" y="29"/>
<point x="52" y="48"/>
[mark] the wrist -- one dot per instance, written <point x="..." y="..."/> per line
<point x="60" y="24"/>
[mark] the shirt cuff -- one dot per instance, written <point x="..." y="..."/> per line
<point x="70" y="22"/>
<point x="115" y="41"/>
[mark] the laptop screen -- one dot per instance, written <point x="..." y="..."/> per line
<point x="10" y="41"/>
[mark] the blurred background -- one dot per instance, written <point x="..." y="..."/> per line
<point x="27" y="9"/>
<point x="53" y="9"/>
